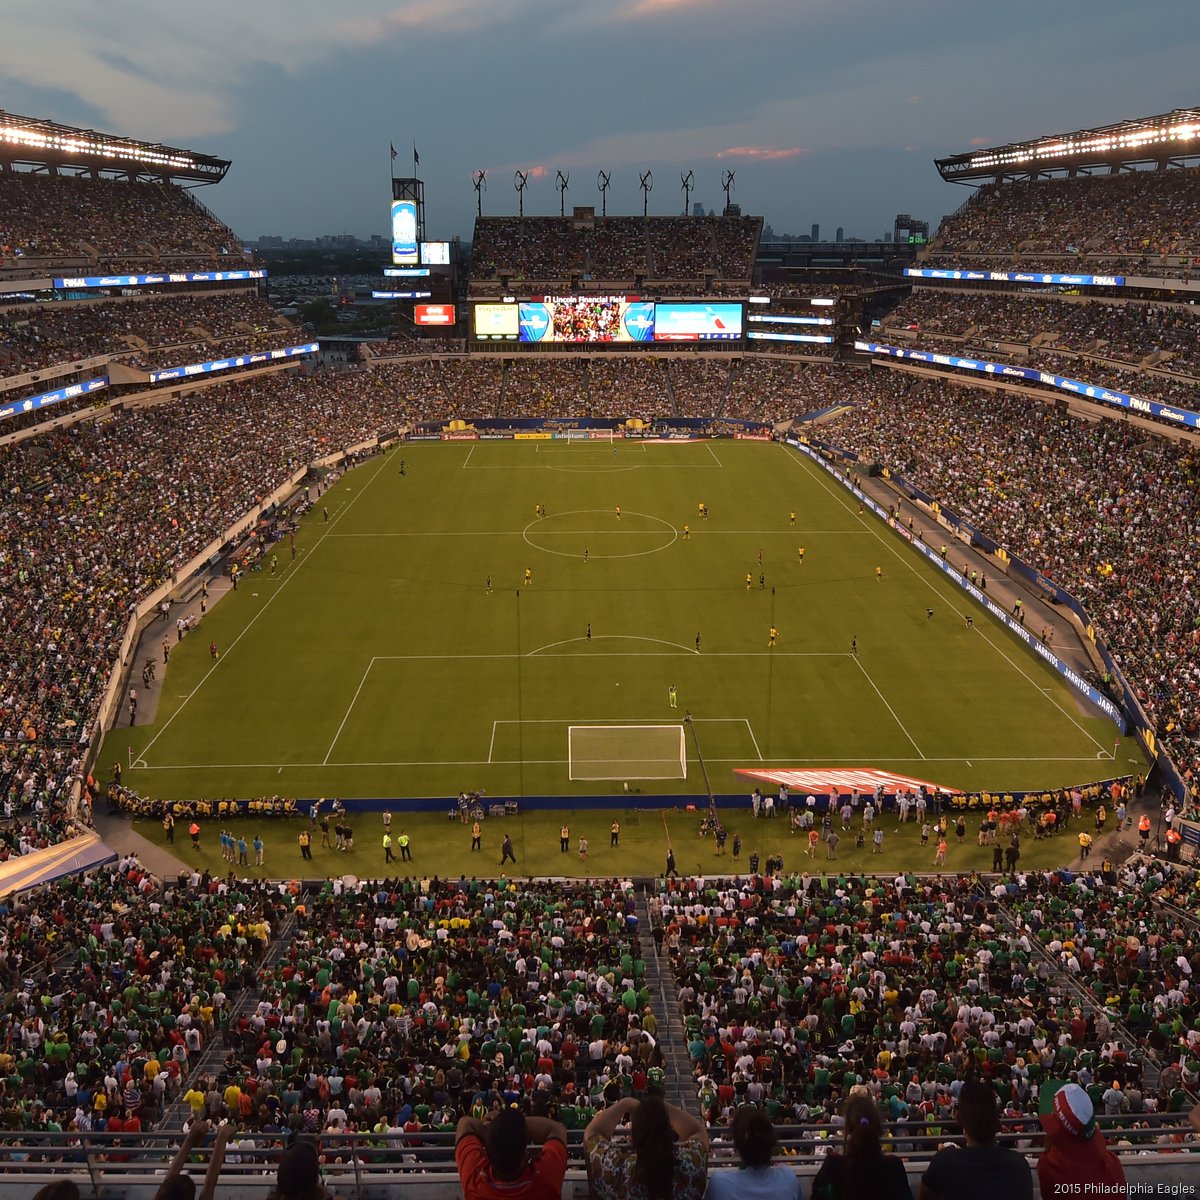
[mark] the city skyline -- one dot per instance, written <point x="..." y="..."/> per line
<point x="306" y="101"/>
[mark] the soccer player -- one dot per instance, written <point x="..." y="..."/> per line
<point x="537" y="510"/>
<point x="772" y="637"/>
<point x="488" y="585"/>
<point x="970" y="621"/>
<point x="854" y="645"/>
<point x="528" y="576"/>
<point x="589" y="631"/>
<point x="800" y="554"/>
<point x="673" y="696"/>
<point x="697" y="643"/>
<point x="618" y="512"/>
<point x="585" y="554"/>
<point x="564" y="839"/>
<point x="760" y="556"/>
<point x="929" y="614"/>
<point x="791" y="518"/>
<point x="762" y="583"/>
<point x="749" y="581"/>
<point x="687" y="534"/>
<point x="403" y="468"/>
<point x="878" y="574"/>
<point x="614" y="833"/>
<point x="213" y="653"/>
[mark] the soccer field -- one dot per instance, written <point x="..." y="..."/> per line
<point x="379" y="664"/>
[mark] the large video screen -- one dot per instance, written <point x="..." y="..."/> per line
<point x="436" y="254"/>
<point x="404" y="233"/>
<point x="587" y="319"/>
<point x="497" y="321"/>
<point x="697" y="322"/>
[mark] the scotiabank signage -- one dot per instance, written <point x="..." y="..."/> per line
<point x="460" y="435"/>
<point x="433" y="314"/>
<point x="752" y="437"/>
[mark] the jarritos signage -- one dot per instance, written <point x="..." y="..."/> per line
<point x="842" y="779"/>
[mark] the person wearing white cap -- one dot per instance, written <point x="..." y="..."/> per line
<point x="1075" y="1151"/>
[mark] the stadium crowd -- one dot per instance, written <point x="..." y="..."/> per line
<point x="549" y="249"/>
<point x="43" y="336"/>
<point x="114" y="987"/>
<point x="43" y="216"/>
<point x="794" y="991"/>
<point x="1133" y="217"/>
<point x="1126" y="331"/>
<point x="425" y="1000"/>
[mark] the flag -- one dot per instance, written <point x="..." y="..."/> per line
<point x="416" y="156"/>
<point x="393" y="151"/>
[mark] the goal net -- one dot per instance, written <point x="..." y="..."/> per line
<point x="626" y="752"/>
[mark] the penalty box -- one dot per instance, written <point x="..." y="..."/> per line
<point x="550" y="740"/>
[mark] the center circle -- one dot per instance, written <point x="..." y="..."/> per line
<point x="595" y="535"/>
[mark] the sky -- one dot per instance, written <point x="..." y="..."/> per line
<point x="828" y="112"/>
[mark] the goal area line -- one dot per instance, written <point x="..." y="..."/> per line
<point x="617" y="722"/>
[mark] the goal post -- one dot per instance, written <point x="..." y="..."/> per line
<point x="610" y="752"/>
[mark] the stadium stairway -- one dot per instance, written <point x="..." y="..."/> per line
<point x="664" y="1003"/>
<point x="176" y="1111"/>
<point x="1085" y="1000"/>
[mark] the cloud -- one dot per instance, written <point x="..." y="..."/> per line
<point x="176" y="71"/>
<point x="762" y="153"/>
<point x="978" y="141"/>
<point x="420" y="16"/>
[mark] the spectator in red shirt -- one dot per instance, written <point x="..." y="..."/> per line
<point x="494" y="1162"/>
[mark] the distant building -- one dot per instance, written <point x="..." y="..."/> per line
<point x="816" y="233"/>
<point x="840" y="235"/>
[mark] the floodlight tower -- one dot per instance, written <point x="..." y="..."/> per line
<point x="727" y="185"/>
<point x="647" y="186"/>
<point x="561" y="183"/>
<point x="602" y="178"/>
<point x="521" y="182"/>
<point x="479" y="182"/>
<point x="688" y="182"/>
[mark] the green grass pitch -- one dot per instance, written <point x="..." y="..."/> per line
<point x="379" y="664"/>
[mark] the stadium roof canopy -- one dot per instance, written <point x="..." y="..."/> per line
<point x="1170" y="140"/>
<point x="46" y="146"/>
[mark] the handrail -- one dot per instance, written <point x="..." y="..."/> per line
<point x="367" y="1155"/>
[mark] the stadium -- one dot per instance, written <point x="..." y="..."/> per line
<point x="658" y="667"/>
